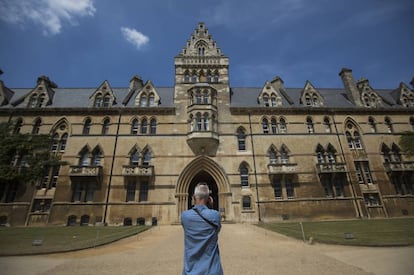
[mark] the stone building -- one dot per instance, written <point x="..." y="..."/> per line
<point x="268" y="153"/>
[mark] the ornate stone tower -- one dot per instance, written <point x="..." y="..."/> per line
<point x="201" y="90"/>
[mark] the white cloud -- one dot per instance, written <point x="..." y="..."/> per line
<point x="49" y="14"/>
<point x="135" y="37"/>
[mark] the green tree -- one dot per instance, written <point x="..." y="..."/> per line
<point x="407" y="143"/>
<point x="24" y="158"/>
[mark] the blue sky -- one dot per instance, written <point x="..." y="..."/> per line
<point x="81" y="43"/>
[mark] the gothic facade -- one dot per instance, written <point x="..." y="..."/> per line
<point x="268" y="153"/>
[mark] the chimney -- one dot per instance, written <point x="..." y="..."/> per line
<point x="277" y="83"/>
<point x="350" y="87"/>
<point x="46" y="82"/>
<point x="412" y="82"/>
<point x="136" y="83"/>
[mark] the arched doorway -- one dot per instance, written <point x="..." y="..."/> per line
<point x="204" y="169"/>
<point x="203" y="176"/>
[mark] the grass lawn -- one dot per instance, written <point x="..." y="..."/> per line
<point x="19" y="240"/>
<point x="383" y="232"/>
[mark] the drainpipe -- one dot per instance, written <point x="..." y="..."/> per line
<point x="355" y="201"/>
<point x="255" y="171"/>
<point x="112" y="167"/>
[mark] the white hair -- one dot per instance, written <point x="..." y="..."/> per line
<point x="201" y="191"/>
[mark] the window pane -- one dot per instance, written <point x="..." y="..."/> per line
<point x="143" y="191"/>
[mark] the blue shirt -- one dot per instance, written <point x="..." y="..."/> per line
<point x="201" y="251"/>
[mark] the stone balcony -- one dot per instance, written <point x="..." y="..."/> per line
<point x="82" y="172"/>
<point x="282" y="168"/>
<point x="203" y="142"/>
<point x="325" y="168"/>
<point x="403" y="166"/>
<point x="138" y="171"/>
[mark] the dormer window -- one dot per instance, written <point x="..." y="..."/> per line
<point x="98" y="100"/>
<point x="107" y="100"/>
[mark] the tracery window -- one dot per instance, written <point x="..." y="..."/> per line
<point x="273" y="125"/>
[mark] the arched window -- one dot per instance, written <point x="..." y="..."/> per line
<point x="349" y="140"/>
<point x="205" y="122"/>
<point x="386" y="153"/>
<point x="55" y="143"/>
<point x="309" y="124"/>
<point x="266" y="100"/>
<point x="146" y="158"/>
<point x="396" y="153"/>
<point x="331" y="154"/>
<point x="134" y="158"/>
<point x="107" y="101"/>
<point x="151" y="100"/>
<point x="198" y="97"/>
<point x="244" y="175"/>
<point x="105" y="126"/>
<point x="265" y="126"/>
<point x="18" y="126"/>
<point x="273" y="100"/>
<point x="87" y="126"/>
<point x="153" y="126"/>
<point x="63" y="142"/>
<point x="143" y="100"/>
<point x="307" y="100"/>
<point x="320" y="154"/>
<point x="372" y="125"/>
<point x="84" y="158"/>
<point x="357" y="140"/>
<point x="96" y="157"/>
<point x="315" y="101"/>
<point x="241" y="139"/>
<point x="272" y="156"/>
<point x="36" y="126"/>
<point x="205" y="97"/>
<point x="327" y="125"/>
<point x="216" y="78"/>
<point x="199" y="122"/>
<point x="273" y="125"/>
<point x="144" y="126"/>
<point x="282" y="125"/>
<point x="186" y="77"/>
<point x="134" y="127"/>
<point x="32" y="101"/>
<point x="98" y="100"/>
<point x="284" y="156"/>
<point x="194" y="78"/>
<point x="388" y="124"/>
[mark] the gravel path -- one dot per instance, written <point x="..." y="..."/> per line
<point x="245" y="249"/>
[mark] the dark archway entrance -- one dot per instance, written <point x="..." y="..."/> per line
<point x="203" y="176"/>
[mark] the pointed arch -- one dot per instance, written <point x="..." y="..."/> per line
<point x="202" y="163"/>
<point x="63" y="125"/>
<point x="97" y="155"/>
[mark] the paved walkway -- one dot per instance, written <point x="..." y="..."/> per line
<point x="245" y="249"/>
